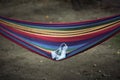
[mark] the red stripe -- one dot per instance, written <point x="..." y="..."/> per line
<point x="51" y="58"/>
<point x="62" y="39"/>
<point x="21" y="40"/>
<point x="24" y="46"/>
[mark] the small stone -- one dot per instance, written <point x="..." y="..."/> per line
<point x="118" y="52"/>
<point x="41" y="61"/>
<point x="99" y="71"/>
<point x="105" y="75"/>
<point x="94" y="65"/>
<point x="109" y="46"/>
<point x="47" y="17"/>
<point x="78" y="73"/>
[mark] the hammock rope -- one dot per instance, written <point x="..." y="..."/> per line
<point x="47" y="38"/>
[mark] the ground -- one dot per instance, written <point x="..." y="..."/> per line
<point x="99" y="63"/>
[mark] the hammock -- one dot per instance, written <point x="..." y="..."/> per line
<point x="58" y="41"/>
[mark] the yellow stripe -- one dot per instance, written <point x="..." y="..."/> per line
<point x="67" y="34"/>
<point x="60" y="33"/>
<point x="54" y="31"/>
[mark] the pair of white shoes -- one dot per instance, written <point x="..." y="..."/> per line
<point x="60" y="53"/>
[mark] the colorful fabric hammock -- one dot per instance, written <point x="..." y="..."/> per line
<point x="61" y="40"/>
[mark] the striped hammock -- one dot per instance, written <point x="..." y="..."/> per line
<point x="58" y="41"/>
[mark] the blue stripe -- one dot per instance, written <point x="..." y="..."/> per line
<point x="97" y="23"/>
<point x="27" y="45"/>
<point x="64" y="26"/>
<point x="48" y="44"/>
<point x="94" y="42"/>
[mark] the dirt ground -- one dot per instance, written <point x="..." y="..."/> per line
<point x="16" y="63"/>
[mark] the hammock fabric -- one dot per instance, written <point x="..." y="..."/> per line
<point x="58" y="41"/>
